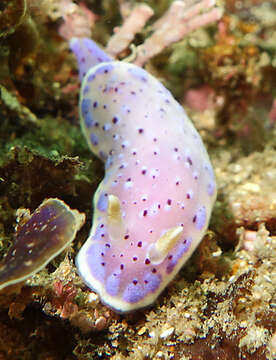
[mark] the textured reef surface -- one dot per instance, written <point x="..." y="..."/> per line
<point x="218" y="61"/>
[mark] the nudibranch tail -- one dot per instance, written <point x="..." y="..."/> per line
<point x="88" y="54"/>
<point x="153" y="206"/>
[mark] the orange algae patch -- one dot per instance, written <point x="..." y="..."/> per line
<point x="45" y="234"/>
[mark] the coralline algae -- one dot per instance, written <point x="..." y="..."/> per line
<point x="153" y="206"/>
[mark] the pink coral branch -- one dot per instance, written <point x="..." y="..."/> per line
<point x="125" y="8"/>
<point x="182" y="12"/>
<point x="177" y="22"/>
<point x="78" y="20"/>
<point x="131" y="26"/>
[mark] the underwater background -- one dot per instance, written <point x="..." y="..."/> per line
<point x="219" y="62"/>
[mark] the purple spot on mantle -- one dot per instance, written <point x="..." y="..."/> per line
<point x="88" y="119"/>
<point x="134" y="293"/>
<point x="102" y="202"/>
<point x="86" y="90"/>
<point x="91" y="77"/>
<point x="152" y="282"/>
<point x="94" y="139"/>
<point x="94" y="260"/>
<point x="181" y="249"/>
<point x="85" y="106"/>
<point x="113" y="284"/>
<point x="200" y="218"/>
<point x="211" y="188"/>
<point x="108" y="162"/>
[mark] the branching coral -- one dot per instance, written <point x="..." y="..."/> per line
<point x="133" y="24"/>
<point x="78" y="20"/>
<point x="174" y="25"/>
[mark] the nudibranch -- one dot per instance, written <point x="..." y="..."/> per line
<point x="42" y="236"/>
<point x="153" y="206"/>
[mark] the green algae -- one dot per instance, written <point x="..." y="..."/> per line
<point x="53" y="138"/>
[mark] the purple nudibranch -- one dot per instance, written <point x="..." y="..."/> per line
<point x="153" y="206"/>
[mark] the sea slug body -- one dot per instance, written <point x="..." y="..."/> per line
<point x="153" y="206"/>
